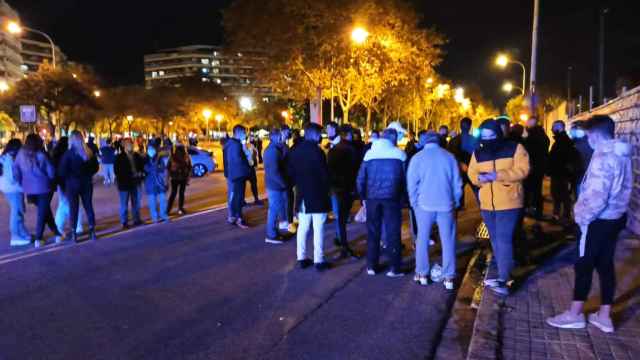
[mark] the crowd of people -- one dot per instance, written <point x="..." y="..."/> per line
<point x="67" y="167"/>
<point x="504" y="165"/>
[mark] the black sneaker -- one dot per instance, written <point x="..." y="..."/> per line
<point x="138" y="223"/>
<point x="125" y="227"/>
<point x="303" y="264"/>
<point x="278" y="240"/>
<point x="336" y="242"/>
<point x="323" y="266"/>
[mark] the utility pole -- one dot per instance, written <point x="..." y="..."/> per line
<point x="603" y="13"/>
<point x="569" y="107"/>
<point x="534" y="56"/>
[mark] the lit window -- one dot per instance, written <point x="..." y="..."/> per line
<point x="205" y="70"/>
<point x="206" y="79"/>
<point x="239" y="54"/>
<point x="205" y="61"/>
<point x="215" y="53"/>
<point x="265" y="99"/>
<point x="154" y="74"/>
<point x="161" y="73"/>
<point x="24" y="68"/>
<point x="215" y="63"/>
<point x="216" y="70"/>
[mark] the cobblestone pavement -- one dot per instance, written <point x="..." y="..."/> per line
<point x="515" y="328"/>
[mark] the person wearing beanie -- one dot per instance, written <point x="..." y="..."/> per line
<point x="499" y="167"/>
<point x="434" y="185"/>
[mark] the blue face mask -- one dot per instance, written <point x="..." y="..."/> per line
<point x="577" y="133"/>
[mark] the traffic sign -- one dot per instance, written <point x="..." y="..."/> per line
<point x="28" y="114"/>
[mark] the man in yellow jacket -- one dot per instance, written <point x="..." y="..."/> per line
<point x="499" y="167"/>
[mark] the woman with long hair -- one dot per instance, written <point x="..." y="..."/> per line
<point x="63" y="210"/>
<point x="14" y="194"/>
<point x="35" y="172"/>
<point x="179" y="171"/>
<point x="77" y="167"/>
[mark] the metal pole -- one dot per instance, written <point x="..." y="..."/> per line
<point x="570" y="111"/>
<point x="53" y="46"/>
<point x="603" y="12"/>
<point x="590" y="97"/>
<point x="333" y="116"/>
<point x="534" y="55"/>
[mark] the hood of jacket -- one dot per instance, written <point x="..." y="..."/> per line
<point x="615" y="146"/>
<point x="384" y="149"/>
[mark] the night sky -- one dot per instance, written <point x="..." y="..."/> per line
<point x="113" y="36"/>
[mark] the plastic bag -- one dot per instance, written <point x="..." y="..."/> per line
<point x="361" y="216"/>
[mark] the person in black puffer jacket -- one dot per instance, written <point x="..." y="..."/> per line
<point x="537" y="146"/>
<point x="77" y="167"/>
<point x="381" y="183"/>
<point x="562" y="170"/>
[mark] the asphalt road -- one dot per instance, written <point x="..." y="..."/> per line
<point x="198" y="288"/>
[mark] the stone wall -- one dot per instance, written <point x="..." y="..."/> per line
<point x="625" y="110"/>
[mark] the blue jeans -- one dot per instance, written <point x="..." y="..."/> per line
<point x="341" y="204"/>
<point x="446" y="221"/>
<point x="229" y="197"/>
<point x="16" y="216"/>
<point x="156" y="201"/>
<point x="502" y="226"/>
<point x="277" y="203"/>
<point x="237" y="199"/>
<point x="125" y="197"/>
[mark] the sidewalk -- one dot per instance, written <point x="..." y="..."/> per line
<point x="515" y="328"/>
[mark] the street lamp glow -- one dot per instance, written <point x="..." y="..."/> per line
<point x="507" y="87"/>
<point x="97" y="93"/>
<point x="429" y="81"/>
<point x="502" y="60"/>
<point x="4" y="86"/>
<point x="359" y="35"/>
<point x="246" y="104"/>
<point x="129" y="118"/>
<point x="524" y="117"/>
<point x="459" y="95"/>
<point x="219" y="118"/>
<point x="14" y="28"/>
<point x="207" y="113"/>
<point x="285" y="114"/>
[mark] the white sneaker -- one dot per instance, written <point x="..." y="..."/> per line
<point x="421" y="279"/>
<point x="20" y="242"/>
<point x="39" y="243"/>
<point x="448" y="284"/>
<point x="605" y="325"/>
<point x="371" y="272"/>
<point x="567" y="321"/>
<point x="491" y="282"/>
<point x="283" y="225"/>
<point x="393" y="274"/>
<point x="59" y="239"/>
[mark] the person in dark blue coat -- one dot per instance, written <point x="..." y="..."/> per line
<point x="237" y="170"/>
<point x="276" y="184"/>
<point x="77" y="167"/>
<point x="155" y="183"/>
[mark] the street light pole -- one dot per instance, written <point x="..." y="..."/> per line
<point x="16" y="28"/>
<point x="534" y="54"/>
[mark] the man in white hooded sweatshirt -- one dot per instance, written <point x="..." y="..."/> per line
<point x="601" y="214"/>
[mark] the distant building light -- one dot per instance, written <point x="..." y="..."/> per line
<point x="215" y="53"/>
<point x="265" y="99"/>
<point x="239" y="54"/>
<point x="154" y="74"/>
<point x="161" y="73"/>
<point x="246" y="104"/>
<point x="205" y="61"/>
<point x="218" y="81"/>
<point x="205" y="70"/>
<point x="24" y="68"/>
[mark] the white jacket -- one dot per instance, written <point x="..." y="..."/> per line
<point x="8" y="183"/>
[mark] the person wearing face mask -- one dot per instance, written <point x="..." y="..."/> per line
<point x="561" y="170"/>
<point x="443" y="132"/>
<point x="382" y="184"/>
<point x="499" y="167"/>
<point x="237" y="170"/>
<point x="537" y="145"/>
<point x="129" y="167"/>
<point x="581" y="142"/>
<point x="155" y="184"/>
<point x="308" y="170"/>
<point x="601" y="214"/>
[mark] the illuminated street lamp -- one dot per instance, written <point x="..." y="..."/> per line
<point x="503" y="61"/>
<point x="246" y="104"/>
<point x="4" y="86"/>
<point x="524" y="117"/>
<point x="97" y="93"/>
<point x="285" y="114"/>
<point x="508" y="87"/>
<point x="359" y="35"/>
<point x="459" y="95"/>
<point x="207" y="113"/>
<point x="219" y="118"/>
<point x="130" y="121"/>
<point x="16" y="29"/>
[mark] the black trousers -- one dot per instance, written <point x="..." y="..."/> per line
<point x="45" y="216"/>
<point x="75" y="192"/>
<point x="533" y="192"/>
<point x="178" y="187"/>
<point x="389" y="213"/>
<point x="600" y="249"/>
<point x="253" y="180"/>
<point x="561" y="194"/>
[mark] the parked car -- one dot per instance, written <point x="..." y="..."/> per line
<point x="202" y="162"/>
